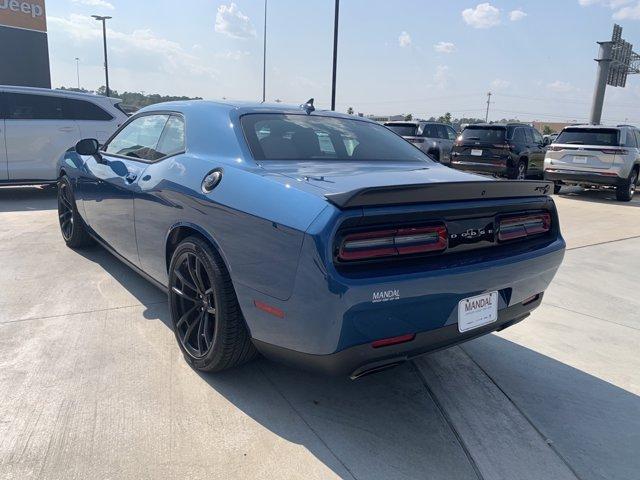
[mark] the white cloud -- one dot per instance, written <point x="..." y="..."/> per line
<point x="233" y="55"/>
<point x="624" y="9"/>
<point x="404" y="40"/>
<point x="232" y="22"/>
<point x="442" y="78"/>
<point x="500" y="84"/>
<point x="605" y="3"/>
<point x="484" y="15"/>
<point x="516" y="15"/>
<point x="628" y="13"/>
<point x="95" y="3"/>
<point x="444" y="47"/>
<point x="560" y="87"/>
<point x="165" y="55"/>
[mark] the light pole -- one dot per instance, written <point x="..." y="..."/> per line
<point x="78" y="71"/>
<point x="103" y="19"/>
<point x="264" y="56"/>
<point x="335" y="55"/>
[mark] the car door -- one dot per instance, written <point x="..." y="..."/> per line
<point x="3" y="148"/>
<point x="447" y="142"/>
<point x="111" y="179"/>
<point x="536" y="159"/>
<point x="38" y="131"/>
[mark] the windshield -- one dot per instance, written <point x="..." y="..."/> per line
<point x="484" y="134"/>
<point x="403" y="129"/>
<point x="589" y="136"/>
<point x="276" y="136"/>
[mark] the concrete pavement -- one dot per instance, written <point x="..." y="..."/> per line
<point x="92" y="384"/>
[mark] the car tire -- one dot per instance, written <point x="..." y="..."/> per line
<point x="520" y="172"/>
<point x="435" y="155"/>
<point x="205" y="313"/>
<point x="556" y="188"/>
<point x="625" y="191"/>
<point x="73" y="229"/>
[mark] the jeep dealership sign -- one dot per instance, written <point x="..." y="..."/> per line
<point x="21" y="14"/>
<point x="24" y="51"/>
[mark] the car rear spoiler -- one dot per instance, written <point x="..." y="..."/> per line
<point x="439" y="192"/>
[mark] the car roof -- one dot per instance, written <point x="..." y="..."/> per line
<point x="243" y="108"/>
<point x="56" y="92"/>
<point x="489" y="125"/>
<point x="598" y="127"/>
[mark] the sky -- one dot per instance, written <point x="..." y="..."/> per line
<point x="424" y="57"/>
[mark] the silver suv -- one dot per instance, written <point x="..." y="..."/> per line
<point x="595" y="156"/>
<point x="433" y="138"/>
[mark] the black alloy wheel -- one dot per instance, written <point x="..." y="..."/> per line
<point x="195" y="305"/>
<point x="207" y="319"/>
<point x="72" y="227"/>
<point x="65" y="210"/>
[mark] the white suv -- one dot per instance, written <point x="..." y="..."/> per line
<point x="38" y="125"/>
<point x="596" y="156"/>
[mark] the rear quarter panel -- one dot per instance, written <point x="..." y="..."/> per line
<point x="257" y="224"/>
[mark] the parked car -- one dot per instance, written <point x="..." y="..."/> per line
<point x="550" y="138"/>
<point x="319" y="239"/>
<point x="38" y="125"/>
<point x="435" y="139"/>
<point x="512" y="150"/>
<point x="596" y="156"/>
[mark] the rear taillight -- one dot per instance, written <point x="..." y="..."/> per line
<point x="615" y="151"/>
<point x="393" y="242"/>
<point x="522" y="226"/>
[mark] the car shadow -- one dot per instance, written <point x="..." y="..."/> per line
<point x="603" y="196"/>
<point x="19" y="199"/>
<point x="387" y="425"/>
<point x="592" y="424"/>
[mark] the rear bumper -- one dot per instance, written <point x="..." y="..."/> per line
<point x="363" y="359"/>
<point x="583" y="178"/>
<point x="498" y="167"/>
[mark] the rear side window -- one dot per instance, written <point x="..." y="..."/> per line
<point x="630" y="140"/>
<point x="451" y="133"/>
<point x="83" y="110"/>
<point x="403" y="129"/>
<point x="430" y="131"/>
<point x="48" y="107"/>
<point x="518" y="136"/>
<point x="140" y="138"/>
<point x="34" y="107"/>
<point x="589" y="136"/>
<point x="486" y="134"/>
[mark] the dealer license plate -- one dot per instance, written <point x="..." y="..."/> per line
<point x="577" y="159"/>
<point x="474" y="312"/>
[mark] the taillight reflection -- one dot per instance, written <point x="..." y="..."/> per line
<point x="522" y="226"/>
<point x="391" y="243"/>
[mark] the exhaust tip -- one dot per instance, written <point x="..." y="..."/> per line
<point x="368" y="370"/>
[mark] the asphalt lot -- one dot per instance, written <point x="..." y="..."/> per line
<point x="92" y="384"/>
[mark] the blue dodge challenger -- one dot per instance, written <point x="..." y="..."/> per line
<point x="319" y="239"/>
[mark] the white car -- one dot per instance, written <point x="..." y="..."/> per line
<point x="38" y="125"/>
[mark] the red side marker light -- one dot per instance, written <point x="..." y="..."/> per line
<point x="270" y="309"/>
<point x="385" y="342"/>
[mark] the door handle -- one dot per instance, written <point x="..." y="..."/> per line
<point x="66" y="129"/>
<point x="131" y="177"/>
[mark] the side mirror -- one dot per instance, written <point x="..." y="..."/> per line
<point x="546" y="141"/>
<point x="88" y="146"/>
